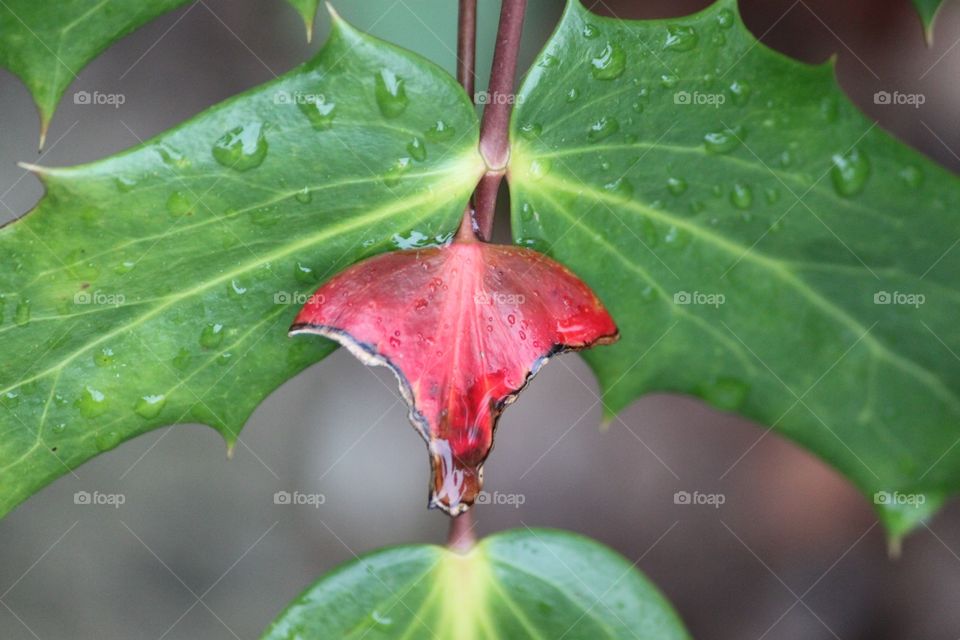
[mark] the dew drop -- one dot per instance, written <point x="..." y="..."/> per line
<point x="21" y="316"/>
<point x="539" y="168"/>
<point x="179" y="204"/>
<point x="676" y="186"/>
<point x="621" y="188"/>
<point x="149" y="407"/>
<point x="740" y="93"/>
<point x="611" y="62"/>
<point x="850" y="172"/>
<point x="212" y="336"/>
<point x="723" y="141"/>
<point x="10" y="399"/>
<point x="103" y="357"/>
<point x="318" y="111"/>
<point x="182" y="360"/>
<point x="242" y="148"/>
<point x="391" y="93"/>
<point x="772" y="195"/>
<point x="602" y="129"/>
<point x="395" y="173"/>
<point x="680" y="38"/>
<point x="417" y="149"/>
<point x="590" y="31"/>
<point x="669" y="80"/>
<point x="440" y="132"/>
<point x="573" y="94"/>
<point x="725" y="18"/>
<point x="304" y="274"/>
<point x="304" y="196"/>
<point x="108" y="440"/>
<point x="727" y="394"/>
<point x="912" y="176"/>
<point x="741" y="196"/>
<point x="92" y="403"/>
<point x="530" y="130"/>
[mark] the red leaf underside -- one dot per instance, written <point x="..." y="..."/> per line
<point x="464" y="327"/>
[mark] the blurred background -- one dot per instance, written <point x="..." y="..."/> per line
<point x="200" y="550"/>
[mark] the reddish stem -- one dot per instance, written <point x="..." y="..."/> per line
<point x="495" y="127"/>
<point x="467" y="45"/>
<point x="461" y="538"/>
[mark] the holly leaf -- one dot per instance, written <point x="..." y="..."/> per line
<point x="46" y="44"/>
<point x="760" y="243"/>
<point x="464" y="328"/>
<point x="928" y="10"/>
<point x="154" y="287"/>
<point x="532" y="583"/>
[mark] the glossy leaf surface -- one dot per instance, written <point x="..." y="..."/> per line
<point x="464" y="327"/>
<point x="528" y="584"/>
<point x="155" y="287"/>
<point x="760" y="243"/>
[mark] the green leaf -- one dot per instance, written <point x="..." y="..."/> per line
<point x="928" y="10"/>
<point x="47" y="43"/>
<point x="156" y="287"/>
<point x="748" y="228"/>
<point x="308" y="11"/>
<point x="519" y="584"/>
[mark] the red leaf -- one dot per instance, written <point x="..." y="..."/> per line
<point x="464" y="327"/>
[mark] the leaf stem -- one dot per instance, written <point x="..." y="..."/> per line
<point x="495" y="127"/>
<point x="461" y="537"/>
<point x="467" y="45"/>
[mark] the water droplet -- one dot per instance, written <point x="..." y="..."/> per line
<point x="530" y="130"/>
<point x="772" y="194"/>
<point x="723" y="141"/>
<point x="235" y="289"/>
<point x="103" y="357"/>
<point x="391" y="93"/>
<point x="669" y="80"/>
<point x="786" y="159"/>
<point x="304" y="274"/>
<point x="420" y="304"/>
<point x="741" y="196"/>
<point x="124" y="184"/>
<point x="179" y="204"/>
<point x="726" y="394"/>
<point x="725" y="18"/>
<point x="621" y="187"/>
<point x="10" y="399"/>
<point x="21" y="317"/>
<point x="440" y="132"/>
<point x="912" y="176"/>
<point x="539" y="168"/>
<point x="677" y="237"/>
<point x="417" y="149"/>
<point x="211" y="336"/>
<point x="395" y="173"/>
<point x="381" y="619"/>
<point x="318" y="111"/>
<point x="108" y="440"/>
<point x="602" y="129"/>
<point x="740" y="93"/>
<point x="304" y="196"/>
<point x="124" y="267"/>
<point x="182" y="360"/>
<point x="680" y="38"/>
<point x="590" y="31"/>
<point x="676" y="186"/>
<point x="395" y="342"/>
<point x="829" y="109"/>
<point x="149" y="407"/>
<point x="92" y="403"/>
<point x="611" y="62"/>
<point x="242" y="148"/>
<point x="850" y="172"/>
<point x="573" y="94"/>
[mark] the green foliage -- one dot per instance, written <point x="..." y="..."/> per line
<point x="308" y="11"/>
<point x="928" y="10"/>
<point x="156" y="287"/>
<point x="760" y="243"/>
<point x="518" y="584"/>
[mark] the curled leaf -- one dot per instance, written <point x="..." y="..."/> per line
<point x="464" y="327"/>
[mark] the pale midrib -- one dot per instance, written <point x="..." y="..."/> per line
<point x="354" y="223"/>
<point x="176" y="230"/>
<point x="785" y="274"/>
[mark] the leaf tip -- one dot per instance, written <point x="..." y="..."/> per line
<point x="34" y="168"/>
